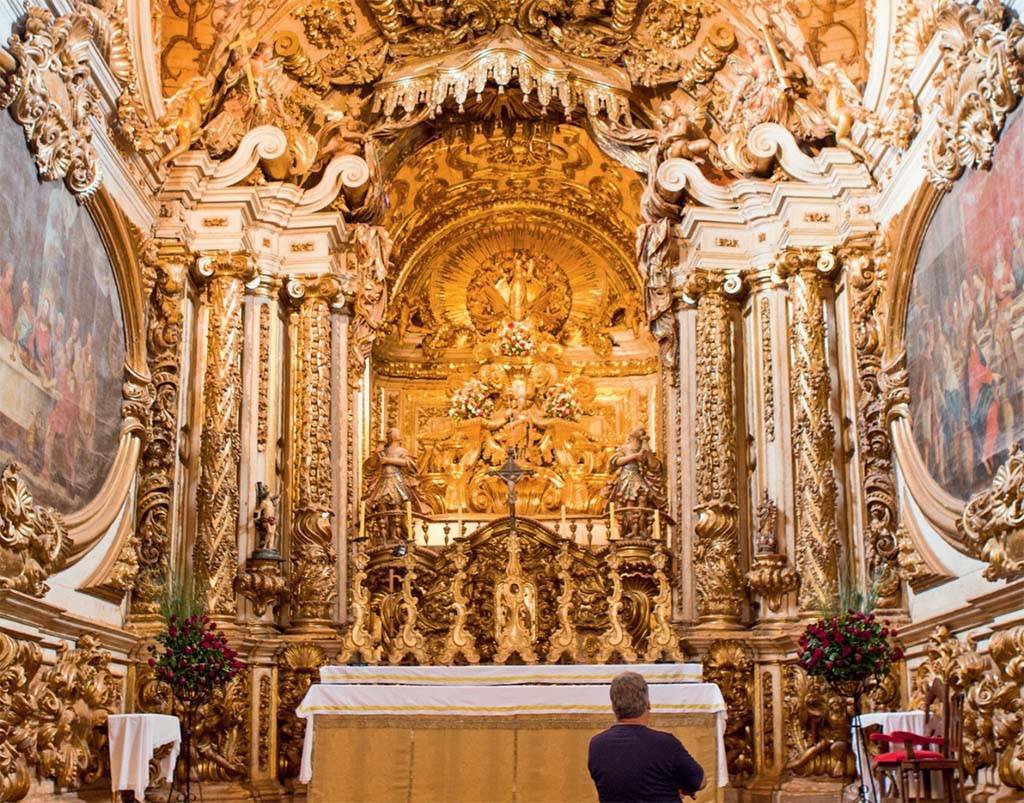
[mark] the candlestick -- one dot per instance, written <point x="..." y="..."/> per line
<point x="613" y="525"/>
<point x="362" y="519"/>
<point x="657" y="525"/>
<point x="459" y="533"/>
<point x="408" y="522"/>
<point x="561" y="524"/>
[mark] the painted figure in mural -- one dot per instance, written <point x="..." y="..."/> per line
<point x="265" y="517"/>
<point x="391" y="481"/>
<point x="639" y="483"/>
<point x="7" y="302"/>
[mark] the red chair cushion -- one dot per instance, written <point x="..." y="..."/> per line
<point x="899" y="737"/>
<point x="896" y="756"/>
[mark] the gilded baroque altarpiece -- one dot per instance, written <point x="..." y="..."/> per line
<point x="497" y="332"/>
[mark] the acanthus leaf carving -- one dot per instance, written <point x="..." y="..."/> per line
<point x="979" y="81"/>
<point x="48" y="87"/>
<point x="729" y="666"/>
<point x="992" y="524"/>
<point x="33" y="539"/>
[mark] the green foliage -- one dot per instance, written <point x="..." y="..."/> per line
<point x="850" y="597"/>
<point x="181" y="599"/>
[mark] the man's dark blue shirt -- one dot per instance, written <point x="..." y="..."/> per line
<point x="634" y="764"/>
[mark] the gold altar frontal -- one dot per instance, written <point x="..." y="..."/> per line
<point x="477" y="759"/>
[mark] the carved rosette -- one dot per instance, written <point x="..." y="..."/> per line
<point x="817" y="534"/>
<point x="50" y="91"/>
<point x="33" y="538"/>
<point x="980" y="79"/>
<point x="728" y="665"/>
<point x="716" y="549"/>
<point x="215" y="552"/>
<point x="53" y="718"/>
<point x="992" y="524"/>
<point x="156" y="465"/>
<point x="313" y="568"/>
<point x="867" y="271"/>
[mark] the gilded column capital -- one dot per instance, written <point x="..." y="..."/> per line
<point x="701" y="282"/>
<point x="224" y="264"/>
<point x="324" y="287"/>
<point x="806" y="262"/>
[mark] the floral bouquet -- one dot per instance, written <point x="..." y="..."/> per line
<point x="516" y="340"/>
<point x="195" y="658"/>
<point x="560" y="402"/>
<point x="474" y="399"/>
<point x="848" y="647"/>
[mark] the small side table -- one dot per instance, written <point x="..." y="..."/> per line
<point x="133" y="739"/>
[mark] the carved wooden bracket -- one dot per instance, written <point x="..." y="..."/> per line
<point x="992" y="524"/>
<point x="33" y="539"/>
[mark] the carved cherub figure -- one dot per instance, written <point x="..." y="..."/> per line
<point x="265" y="517"/>
<point x="683" y="135"/>
<point x="186" y="111"/>
<point x="843" y="106"/>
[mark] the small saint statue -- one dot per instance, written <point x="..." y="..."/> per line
<point x="265" y="517"/>
<point x="391" y="482"/>
<point x="638" y="488"/>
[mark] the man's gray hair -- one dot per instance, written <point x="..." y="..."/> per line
<point x="629" y="696"/>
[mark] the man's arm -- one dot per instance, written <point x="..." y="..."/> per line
<point x="687" y="772"/>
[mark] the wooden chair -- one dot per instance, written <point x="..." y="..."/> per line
<point x="915" y="761"/>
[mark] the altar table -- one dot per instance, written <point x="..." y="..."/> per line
<point x="505" y="733"/>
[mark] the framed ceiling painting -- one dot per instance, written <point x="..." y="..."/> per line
<point x="959" y="311"/>
<point x="70" y="336"/>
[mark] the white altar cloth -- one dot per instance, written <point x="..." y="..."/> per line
<point x="493" y="675"/>
<point x="365" y="700"/>
<point x="133" y="739"/>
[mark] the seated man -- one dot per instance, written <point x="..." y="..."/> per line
<point x="630" y="762"/>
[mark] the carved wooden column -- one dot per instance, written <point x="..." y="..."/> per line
<point x="770" y="483"/>
<point x="313" y="577"/>
<point x="716" y="558"/>
<point x="153" y="506"/>
<point x="215" y="551"/>
<point x="817" y="534"/>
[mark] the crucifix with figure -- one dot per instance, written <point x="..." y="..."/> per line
<point x="511" y="473"/>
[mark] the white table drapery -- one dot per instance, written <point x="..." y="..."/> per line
<point x="888" y="721"/>
<point x="493" y="675"/>
<point x="397" y="700"/>
<point x="133" y="739"/>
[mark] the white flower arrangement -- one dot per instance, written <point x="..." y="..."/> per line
<point x="475" y="399"/>
<point x="560" y="402"/>
<point x="516" y="340"/>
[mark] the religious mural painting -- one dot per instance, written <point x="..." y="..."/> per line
<point x="61" y="336"/>
<point x="965" y="326"/>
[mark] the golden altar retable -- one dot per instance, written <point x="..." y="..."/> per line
<point x="450" y="739"/>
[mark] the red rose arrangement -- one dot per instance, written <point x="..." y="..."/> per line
<point x="850" y="646"/>
<point x="195" y="658"/>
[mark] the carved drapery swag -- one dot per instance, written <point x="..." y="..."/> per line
<point x="979" y="80"/>
<point x="33" y="538"/>
<point x="817" y="533"/>
<point x="46" y="83"/>
<point x="215" y="552"/>
<point x="719" y="585"/>
<point x="156" y="466"/>
<point x="313" y="557"/>
<point x="866" y="265"/>
<point x="992" y="524"/>
<point x="52" y="718"/>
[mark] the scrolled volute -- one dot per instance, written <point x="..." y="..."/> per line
<point x="33" y="539"/>
<point x="992" y="524"/>
<point x="48" y="87"/>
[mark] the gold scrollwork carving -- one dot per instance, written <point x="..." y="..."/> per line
<point x="459" y="640"/>
<point x="33" y="538"/>
<point x="767" y="368"/>
<point x="263" y="734"/>
<point x="866" y="266"/>
<point x="298" y="667"/>
<point x="360" y="643"/>
<point x="817" y="534"/>
<point x="728" y="665"/>
<point x="817" y="727"/>
<point x="992" y="524"/>
<point x="52" y="719"/>
<point x="156" y="465"/>
<point x="50" y="53"/>
<point x="980" y="79"/>
<point x="616" y="640"/>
